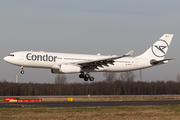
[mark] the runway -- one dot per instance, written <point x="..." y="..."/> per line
<point x="86" y="104"/>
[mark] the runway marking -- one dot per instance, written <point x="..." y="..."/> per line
<point x="14" y="105"/>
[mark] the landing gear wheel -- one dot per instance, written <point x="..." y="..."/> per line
<point x="85" y="79"/>
<point x="87" y="75"/>
<point x="91" y="78"/>
<point x="81" y="75"/>
<point x="22" y="71"/>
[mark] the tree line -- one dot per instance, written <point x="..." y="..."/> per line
<point x="111" y="85"/>
<point x="116" y="87"/>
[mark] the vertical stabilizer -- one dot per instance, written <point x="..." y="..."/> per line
<point x="159" y="49"/>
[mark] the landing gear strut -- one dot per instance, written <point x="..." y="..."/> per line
<point x="22" y="71"/>
<point x="86" y="76"/>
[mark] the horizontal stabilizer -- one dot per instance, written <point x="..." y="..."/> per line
<point x="155" y="62"/>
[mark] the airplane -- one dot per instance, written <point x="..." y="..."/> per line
<point x="66" y="63"/>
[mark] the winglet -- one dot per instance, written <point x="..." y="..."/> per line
<point x="129" y="53"/>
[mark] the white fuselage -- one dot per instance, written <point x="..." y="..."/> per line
<point x="62" y="63"/>
<point x="51" y="60"/>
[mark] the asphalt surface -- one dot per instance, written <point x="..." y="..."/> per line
<point x="86" y="104"/>
<point x="62" y="96"/>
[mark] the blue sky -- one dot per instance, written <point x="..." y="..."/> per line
<point x="90" y="27"/>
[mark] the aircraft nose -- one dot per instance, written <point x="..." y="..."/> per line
<point x="5" y="58"/>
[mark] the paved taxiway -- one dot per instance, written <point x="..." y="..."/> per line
<point x="87" y="104"/>
<point x="82" y="96"/>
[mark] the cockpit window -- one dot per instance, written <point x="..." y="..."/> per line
<point x="11" y="55"/>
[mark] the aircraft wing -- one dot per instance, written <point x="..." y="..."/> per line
<point x="101" y="62"/>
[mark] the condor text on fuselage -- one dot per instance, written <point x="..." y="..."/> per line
<point x="46" y="57"/>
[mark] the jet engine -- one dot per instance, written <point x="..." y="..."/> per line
<point x="66" y="69"/>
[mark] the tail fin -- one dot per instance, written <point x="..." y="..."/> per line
<point x="159" y="49"/>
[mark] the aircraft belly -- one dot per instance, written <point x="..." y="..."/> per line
<point x="119" y="68"/>
<point x="122" y="67"/>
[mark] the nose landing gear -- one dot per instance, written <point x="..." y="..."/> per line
<point x="22" y="71"/>
<point x="86" y="76"/>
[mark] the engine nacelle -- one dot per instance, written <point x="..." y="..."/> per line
<point x="55" y="71"/>
<point x="66" y="69"/>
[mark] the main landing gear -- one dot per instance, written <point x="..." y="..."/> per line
<point x="86" y="77"/>
<point x="22" y="71"/>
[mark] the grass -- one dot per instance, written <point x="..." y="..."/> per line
<point x="116" y="113"/>
<point x="95" y="113"/>
<point x="120" y="98"/>
<point x="1" y="99"/>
